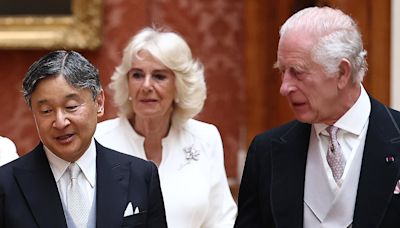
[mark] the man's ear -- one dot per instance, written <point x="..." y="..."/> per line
<point x="100" y="103"/>
<point x="345" y="76"/>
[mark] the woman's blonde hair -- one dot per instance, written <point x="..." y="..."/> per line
<point x="172" y="51"/>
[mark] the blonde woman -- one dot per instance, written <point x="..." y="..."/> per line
<point x="159" y="88"/>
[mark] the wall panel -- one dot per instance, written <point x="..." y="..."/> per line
<point x="214" y="30"/>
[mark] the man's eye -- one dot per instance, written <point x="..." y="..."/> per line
<point x="72" y="107"/>
<point x="295" y="72"/>
<point x="45" y="111"/>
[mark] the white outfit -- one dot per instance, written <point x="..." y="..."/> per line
<point x="8" y="151"/>
<point x="192" y="174"/>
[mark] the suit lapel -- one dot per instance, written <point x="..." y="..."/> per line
<point x="289" y="157"/>
<point x="39" y="188"/>
<point x="112" y="188"/>
<point x="378" y="176"/>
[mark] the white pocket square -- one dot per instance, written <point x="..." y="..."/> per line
<point x="397" y="188"/>
<point x="128" y="210"/>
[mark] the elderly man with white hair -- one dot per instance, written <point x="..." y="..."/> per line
<point x="338" y="164"/>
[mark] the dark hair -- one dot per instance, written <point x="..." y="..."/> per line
<point x="76" y="70"/>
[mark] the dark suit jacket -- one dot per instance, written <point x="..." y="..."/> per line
<point x="272" y="188"/>
<point x="29" y="196"/>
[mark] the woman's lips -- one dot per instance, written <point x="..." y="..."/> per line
<point x="148" y="100"/>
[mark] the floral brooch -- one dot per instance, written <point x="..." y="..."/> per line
<point x="191" y="154"/>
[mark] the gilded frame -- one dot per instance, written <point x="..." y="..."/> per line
<point x="80" y="30"/>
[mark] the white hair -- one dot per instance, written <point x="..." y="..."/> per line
<point x="172" y="51"/>
<point x="337" y="35"/>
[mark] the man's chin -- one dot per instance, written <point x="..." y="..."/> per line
<point x="304" y="118"/>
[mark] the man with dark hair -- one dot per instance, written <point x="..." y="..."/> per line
<point x="69" y="179"/>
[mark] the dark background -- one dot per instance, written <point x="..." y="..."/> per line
<point x="35" y="7"/>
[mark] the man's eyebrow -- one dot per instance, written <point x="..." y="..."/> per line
<point x="43" y="101"/>
<point x="72" y="95"/>
<point x="69" y="96"/>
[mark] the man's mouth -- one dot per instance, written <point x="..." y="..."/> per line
<point x="64" y="138"/>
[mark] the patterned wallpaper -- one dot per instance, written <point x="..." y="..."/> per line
<point x="213" y="28"/>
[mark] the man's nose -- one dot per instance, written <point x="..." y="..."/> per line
<point x="287" y="85"/>
<point x="61" y="120"/>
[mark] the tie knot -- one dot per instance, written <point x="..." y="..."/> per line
<point x="332" y="131"/>
<point x="74" y="170"/>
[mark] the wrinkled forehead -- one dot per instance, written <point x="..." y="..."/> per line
<point x="297" y="40"/>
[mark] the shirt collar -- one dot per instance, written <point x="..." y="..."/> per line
<point x="87" y="163"/>
<point x="354" y="119"/>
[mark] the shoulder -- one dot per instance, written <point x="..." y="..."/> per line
<point x="8" y="150"/>
<point x="6" y="144"/>
<point x="115" y="157"/>
<point x="396" y="114"/>
<point x="29" y="161"/>
<point x="110" y="130"/>
<point x="201" y="129"/>
<point x="277" y="132"/>
<point x="288" y="131"/>
<point x="107" y="126"/>
<point x="377" y="108"/>
<point x="387" y="118"/>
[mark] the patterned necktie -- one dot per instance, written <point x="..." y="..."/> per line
<point x="77" y="204"/>
<point x="335" y="157"/>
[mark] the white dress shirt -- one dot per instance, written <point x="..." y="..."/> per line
<point x="8" y="151"/>
<point x="192" y="174"/>
<point x="353" y="127"/>
<point x="87" y="163"/>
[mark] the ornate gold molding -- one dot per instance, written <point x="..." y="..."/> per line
<point x="80" y="30"/>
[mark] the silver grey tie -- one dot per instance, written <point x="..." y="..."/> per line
<point x="335" y="157"/>
<point x="77" y="204"/>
